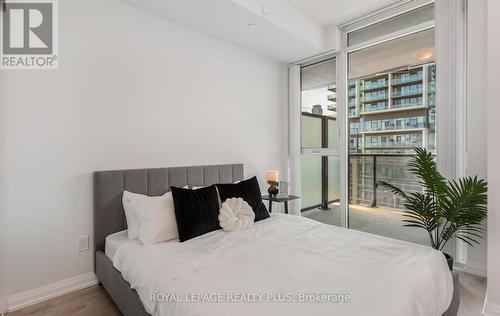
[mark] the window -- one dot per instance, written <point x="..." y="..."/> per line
<point x="391" y="25"/>
<point x="384" y="103"/>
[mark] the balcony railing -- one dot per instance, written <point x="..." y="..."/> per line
<point x="408" y="79"/>
<point x="376" y="85"/>
<point x="374" y="97"/>
<point x="321" y="173"/>
<point x="370" y="107"/>
<point x="404" y="93"/>
<point x="366" y="170"/>
<point x="332" y="97"/>
<point x="407" y="144"/>
<point x="381" y="126"/>
<point x="406" y="105"/>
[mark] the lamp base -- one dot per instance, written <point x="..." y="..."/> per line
<point x="273" y="190"/>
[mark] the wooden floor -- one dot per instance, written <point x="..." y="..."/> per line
<point x="94" y="301"/>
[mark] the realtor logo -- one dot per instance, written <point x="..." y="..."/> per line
<point x="29" y="34"/>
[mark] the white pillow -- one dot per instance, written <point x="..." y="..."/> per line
<point x="132" y="204"/>
<point x="157" y="220"/>
<point x="236" y="214"/>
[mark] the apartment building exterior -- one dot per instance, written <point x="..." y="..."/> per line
<point x="389" y="114"/>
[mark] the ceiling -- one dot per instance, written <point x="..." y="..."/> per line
<point x="331" y="12"/>
<point x="283" y="30"/>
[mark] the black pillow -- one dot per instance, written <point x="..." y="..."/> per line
<point x="196" y="211"/>
<point x="249" y="191"/>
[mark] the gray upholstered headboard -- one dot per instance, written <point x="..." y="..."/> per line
<point x="109" y="216"/>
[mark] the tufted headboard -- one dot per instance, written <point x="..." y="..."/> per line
<point x="109" y="216"/>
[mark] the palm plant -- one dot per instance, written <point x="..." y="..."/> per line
<point x="445" y="208"/>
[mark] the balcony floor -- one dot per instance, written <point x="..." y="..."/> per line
<point x="381" y="221"/>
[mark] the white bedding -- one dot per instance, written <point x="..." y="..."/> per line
<point x="114" y="241"/>
<point x="281" y="258"/>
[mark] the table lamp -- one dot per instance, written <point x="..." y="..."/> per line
<point x="272" y="180"/>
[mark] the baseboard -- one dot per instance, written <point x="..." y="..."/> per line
<point x="47" y="292"/>
<point x="475" y="268"/>
<point x="490" y="309"/>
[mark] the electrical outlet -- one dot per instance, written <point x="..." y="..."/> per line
<point x="83" y="243"/>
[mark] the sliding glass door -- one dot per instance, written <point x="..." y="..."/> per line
<point x="320" y="158"/>
<point x="391" y="109"/>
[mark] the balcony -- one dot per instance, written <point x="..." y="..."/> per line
<point x="392" y="126"/>
<point x="407" y="105"/>
<point x="374" y="87"/>
<point x="407" y="79"/>
<point x="371" y="208"/>
<point x="406" y="93"/>
<point x="407" y="144"/>
<point x="371" y="107"/>
<point x="374" y="97"/>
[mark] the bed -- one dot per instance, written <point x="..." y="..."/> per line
<point x="284" y="265"/>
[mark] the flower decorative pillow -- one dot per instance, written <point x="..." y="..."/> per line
<point x="235" y="214"/>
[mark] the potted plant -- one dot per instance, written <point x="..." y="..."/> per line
<point x="444" y="208"/>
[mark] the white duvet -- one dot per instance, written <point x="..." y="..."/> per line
<point x="270" y="268"/>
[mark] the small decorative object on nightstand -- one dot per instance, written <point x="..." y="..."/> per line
<point x="279" y="199"/>
<point x="272" y="180"/>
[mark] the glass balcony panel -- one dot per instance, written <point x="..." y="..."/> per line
<point x="313" y="207"/>
<point x="332" y="133"/>
<point x="311" y="132"/>
<point x="333" y="178"/>
<point x="310" y="170"/>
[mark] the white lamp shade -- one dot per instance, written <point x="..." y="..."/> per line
<point x="272" y="175"/>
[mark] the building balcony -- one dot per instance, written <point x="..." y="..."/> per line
<point x="380" y="97"/>
<point x="394" y="109"/>
<point x="332" y="97"/>
<point x="393" y="144"/>
<point x="375" y="107"/>
<point x="406" y="105"/>
<point x="407" y="80"/>
<point x="374" y="87"/>
<point x="403" y="94"/>
<point x="393" y="127"/>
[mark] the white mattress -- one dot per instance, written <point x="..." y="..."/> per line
<point x="284" y="257"/>
<point x="114" y="241"/>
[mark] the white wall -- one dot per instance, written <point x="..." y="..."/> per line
<point x="493" y="113"/>
<point x="132" y="91"/>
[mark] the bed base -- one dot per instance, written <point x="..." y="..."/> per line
<point x="111" y="279"/>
